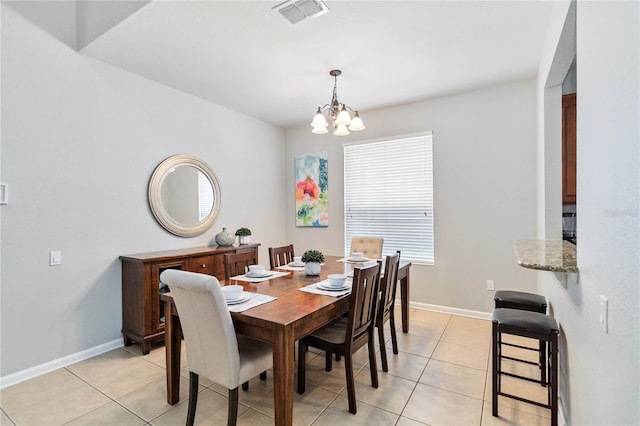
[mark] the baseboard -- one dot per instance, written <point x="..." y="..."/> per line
<point x="38" y="370"/>
<point x="449" y="310"/>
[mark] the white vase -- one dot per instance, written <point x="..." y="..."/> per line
<point x="312" y="268"/>
<point x="243" y="239"/>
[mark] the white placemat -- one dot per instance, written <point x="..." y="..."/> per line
<point x="291" y="268"/>
<point x="313" y="288"/>
<point x="255" y="299"/>
<point x="365" y="262"/>
<point x="275" y="274"/>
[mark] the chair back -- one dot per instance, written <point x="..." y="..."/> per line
<point x="363" y="303"/>
<point x="388" y="284"/>
<point x="280" y="256"/>
<point x="238" y="263"/>
<point x="371" y="247"/>
<point x="209" y="335"/>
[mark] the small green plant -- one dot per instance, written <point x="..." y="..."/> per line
<point x="313" y="256"/>
<point x="243" y="232"/>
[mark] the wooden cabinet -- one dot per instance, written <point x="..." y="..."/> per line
<point x="569" y="148"/>
<point x="142" y="311"/>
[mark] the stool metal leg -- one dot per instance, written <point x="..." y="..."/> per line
<point x="495" y="374"/>
<point x="553" y="369"/>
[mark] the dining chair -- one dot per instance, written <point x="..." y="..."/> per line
<point x="214" y="350"/>
<point x="280" y="256"/>
<point x="345" y="335"/>
<point x="386" y="309"/>
<point x="371" y="247"/>
<point x="238" y="263"/>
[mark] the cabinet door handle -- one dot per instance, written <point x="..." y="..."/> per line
<point x="204" y="265"/>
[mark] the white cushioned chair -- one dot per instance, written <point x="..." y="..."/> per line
<point x="214" y="350"/>
<point x="371" y="247"/>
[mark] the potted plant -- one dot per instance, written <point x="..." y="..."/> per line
<point x="312" y="260"/>
<point x="243" y="235"/>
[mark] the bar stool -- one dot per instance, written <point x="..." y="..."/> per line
<point x="525" y="302"/>
<point x="533" y="325"/>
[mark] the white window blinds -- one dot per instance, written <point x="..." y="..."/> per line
<point x="205" y="196"/>
<point x="388" y="191"/>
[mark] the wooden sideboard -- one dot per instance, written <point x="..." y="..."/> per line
<point x="142" y="311"/>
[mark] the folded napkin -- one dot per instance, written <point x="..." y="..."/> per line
<point x="255" y="299"/>
<point x="274" y="274"/>
<point x="313" y="288"/>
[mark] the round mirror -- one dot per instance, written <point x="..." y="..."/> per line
<point x="184" y="195"/>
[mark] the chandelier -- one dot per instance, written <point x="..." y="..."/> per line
<point x="338" y="114"/>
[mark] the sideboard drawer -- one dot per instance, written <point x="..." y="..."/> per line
<point x="209" y="264"/>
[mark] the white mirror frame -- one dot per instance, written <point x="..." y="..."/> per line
<point x="155" y="196"/>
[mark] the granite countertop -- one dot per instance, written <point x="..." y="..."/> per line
<point x="547" y="255"/>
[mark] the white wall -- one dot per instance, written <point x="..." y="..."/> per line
<point x="599" y="371"/>
<point x="80" y="140"/>
<point x="484" y="189"/>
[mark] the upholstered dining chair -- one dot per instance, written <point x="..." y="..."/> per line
<point x="388" y="284"/>
<point x="345" y="335"/>
<point x="280" y="256"/>
<point x="238" y="263"/>
<point x="214" y="350"/>
<point x="371" y="247"/>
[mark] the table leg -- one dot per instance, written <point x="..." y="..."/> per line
<point x="283" y="366"/>
<point x="172" y="348"/>
<point x="404" y="301"/>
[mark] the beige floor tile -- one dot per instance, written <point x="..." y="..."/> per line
<point x="404" y="365"/>
<point x="429" y="317"/>
<point x="469" y="323"/>
<point x="435" y="406"/>
<point x="427" y="329"/>
<point x="211" y="410"/>
<point x="466" y="355"/>
<point x="338" y="414"/>
<point x="306" y="407"/>
<point x="455" y="378"/>
<point x="467" y="336"/>
<point x="254" y="418"/>
<point x="510" y="416"/>
<point x="150" y="401"/>
<point x="53" y="398"/>
<point x="5" y="420"/>
<point x="417" y="345"/>
<point x="108" y="415"/>
<point x="392" y="393"/>
<point x="257" y="390"/>
<point x="403" y="421"/>
<point x="520" y="388"/>
<point x="120" y="373"/>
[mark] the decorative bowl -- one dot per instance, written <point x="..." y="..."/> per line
<point x="256" y="269"/>
<point x="337" y="280"/>
<point x="232" y="292"/>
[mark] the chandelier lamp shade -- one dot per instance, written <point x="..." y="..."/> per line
<point x="339" y="114"/>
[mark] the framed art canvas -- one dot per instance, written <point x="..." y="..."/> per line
<point x="312" y="196"/>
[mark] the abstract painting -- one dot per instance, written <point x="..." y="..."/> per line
<point x="312" y="194"/>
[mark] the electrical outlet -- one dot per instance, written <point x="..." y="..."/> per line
<point x="490" y="286"/>
<point x="55" y="258"/>
<point x="604" y="313"/>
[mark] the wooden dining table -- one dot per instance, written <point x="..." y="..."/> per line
<point x="281" y="322"/>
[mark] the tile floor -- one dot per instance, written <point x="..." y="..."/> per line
<point x="440" y="377"/>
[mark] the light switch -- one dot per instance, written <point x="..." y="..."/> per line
<point x="55" y="258"/>
<point x="604" y="313"/>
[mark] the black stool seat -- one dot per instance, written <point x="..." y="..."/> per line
<point x="520" y="300"/>
<point x="525" y="323"/>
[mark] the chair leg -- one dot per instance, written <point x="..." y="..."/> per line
<point x="383" y="349"/>
<point x="338" y="357"/>
<point x="193" y="398"/>
<point x="245" y="386"/>
<point x="263" y="376"/>
<point x="351" y="387"/>
<point x="394" y="337"/>
<point x="232" y="415"/>
<point x="328" y="365"/>
<point x="302" y="358"/>
<point x="373" y="367"/>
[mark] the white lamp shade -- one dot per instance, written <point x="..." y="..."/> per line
<point x="356" y="124"/>
<point x="319" y="120"/>
<point x="341" y="130"/>
<point x="319" y="130"/>
<point x="343" y="118"/>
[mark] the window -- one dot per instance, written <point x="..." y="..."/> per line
<point x="205" y="196"/>
<point x="388" y="192"/>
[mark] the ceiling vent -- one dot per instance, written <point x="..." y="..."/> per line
<point x="297" y="11"/>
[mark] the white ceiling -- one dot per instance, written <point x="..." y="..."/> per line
<point x="247" y="57"/>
